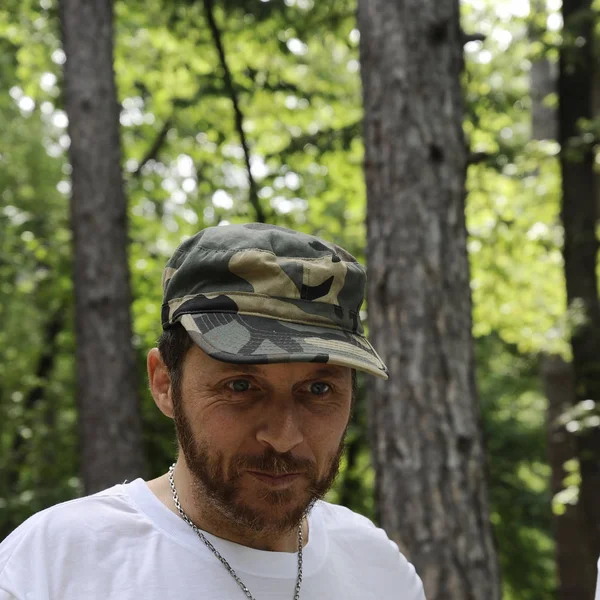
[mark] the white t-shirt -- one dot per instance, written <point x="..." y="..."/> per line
<point x="124" y="544"/>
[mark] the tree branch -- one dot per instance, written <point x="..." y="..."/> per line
<point x="474" y="158"/>
<point x="472" y="37"/>
<point x="324" y="139"/>
<point x="239" y="117"/>
<point x="155" y="148"/>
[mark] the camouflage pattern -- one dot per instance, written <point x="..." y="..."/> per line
<point x="257" y="293"/>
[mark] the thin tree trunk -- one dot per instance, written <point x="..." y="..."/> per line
<point x="109" y="412"/>
<point x="579" y="217"/>
<point x="542" y="80"/>
<point x="572" y="562"/>
<point x="576" y="566"/>
<point x="576" y="571"/>
<point x="426" y="434"/>
<point x="542" y="84"/>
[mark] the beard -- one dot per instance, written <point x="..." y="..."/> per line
<point x="219" y="485"/>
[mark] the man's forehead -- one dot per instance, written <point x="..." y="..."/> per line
<point x="314" y="370"/>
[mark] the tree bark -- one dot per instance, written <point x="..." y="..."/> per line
<point x="579" y="217"/>
<point x="576" y="568"/>
<point x="542" y="81"/>
<point x="107" y="392"/>
<point x="542" y="84"/>
<point x="426" y="434"/>
<point x="576" y="565"/>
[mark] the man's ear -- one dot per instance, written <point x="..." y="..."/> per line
<point x="160" y="382"/>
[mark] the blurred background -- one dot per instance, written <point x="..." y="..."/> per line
<point x="247" y="110"/>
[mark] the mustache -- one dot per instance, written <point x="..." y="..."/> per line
<point x="273" y="463"/>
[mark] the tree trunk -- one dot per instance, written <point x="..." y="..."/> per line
<point x="576" y="569"/>
<point x="576" y="566"/>
<point x="109" y="411"/>
<point x="542" y="84"/>
<point x="542" y="80"/>
<point x="579" y="217"/>
<point x="426" y="434"/>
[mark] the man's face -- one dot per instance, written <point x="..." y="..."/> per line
<point x="262" y="441"/>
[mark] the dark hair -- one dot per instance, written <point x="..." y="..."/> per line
<point x="173" y="345"/>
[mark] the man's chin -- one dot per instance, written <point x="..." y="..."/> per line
<point x="269" y="519"/>
<point x="273" y="510"/>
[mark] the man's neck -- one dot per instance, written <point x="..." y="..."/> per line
<point x="220" y="526"/>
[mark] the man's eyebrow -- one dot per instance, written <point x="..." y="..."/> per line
<point x="333" y="372"/>
<point x="239" y="368"/>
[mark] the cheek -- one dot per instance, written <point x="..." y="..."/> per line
<point x="326" y="436"/>
<point x="225" y="431"/>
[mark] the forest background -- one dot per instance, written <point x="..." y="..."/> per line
<point x="295" y="92"/>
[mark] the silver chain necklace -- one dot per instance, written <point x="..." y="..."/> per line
<point x="216" y="552"/>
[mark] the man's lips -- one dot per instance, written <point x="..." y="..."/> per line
<point x="275" y="479"/>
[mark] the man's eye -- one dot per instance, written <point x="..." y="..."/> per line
<point x="239" y="385"/>
<point x="319" y="388"/>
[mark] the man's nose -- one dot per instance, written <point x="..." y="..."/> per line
<point x="281" y="426"/>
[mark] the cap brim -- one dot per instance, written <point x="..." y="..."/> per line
<point x="248" y="339"/>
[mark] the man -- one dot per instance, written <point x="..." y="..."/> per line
<point x="257" y="367"/>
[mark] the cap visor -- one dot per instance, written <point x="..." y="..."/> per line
<point x="239" y="338"/>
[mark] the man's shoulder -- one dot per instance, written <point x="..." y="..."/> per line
<point x="65" y="521"/>
<point x="342" y="522"/>
<point x="337" y="516"/>
<point x="358" y="540"/>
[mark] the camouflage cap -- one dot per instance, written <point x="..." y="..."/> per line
<point x="257" y="293"/>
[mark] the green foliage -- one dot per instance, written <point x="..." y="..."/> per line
<point x="513" y="202"/>
<point x="513" y="418"/>
<point x="38" y="451"/>
<point x="570" y="493"/>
